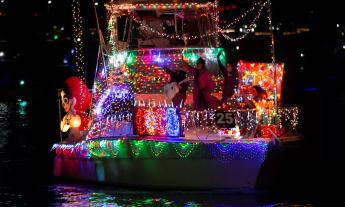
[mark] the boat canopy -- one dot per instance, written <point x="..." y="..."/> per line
<point x="163" y="24"/>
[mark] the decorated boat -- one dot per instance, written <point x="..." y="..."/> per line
<point x="127" y="132"/>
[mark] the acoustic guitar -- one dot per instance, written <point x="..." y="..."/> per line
<point x="171" y="89"/>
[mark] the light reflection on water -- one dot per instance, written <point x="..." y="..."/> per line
<point x="88" y="196"/>
<point x="5" y="112"/>
<point x="71" y="195"/>
<point x="13" y="121"/>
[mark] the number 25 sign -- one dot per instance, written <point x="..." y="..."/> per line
<point x="225" y="119"/>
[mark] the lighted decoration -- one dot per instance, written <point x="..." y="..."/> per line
<point x="139" y="149"/>
<point x="75" y="104"/>
<point x="262" y="74"/>
<point x="128" y="7"/>
<point x="78" y="38"/>
<point x="144" y="68"/>
<point x="246" y="31"/>
<point x="199" y="122"/>
<point x="117" y="98"/>
<point x="199" y="11"/>
<point x="244" y="150"/>
<point x="143" y="71"/>
<point x="173" y="123"/>
<point x="233" y="133"/>
<point x="249" y="29"/>
<point x="113" y="112"/>
<point x="184" y="149"/>
<point x="288" y="122"/>
<point x="157" y="147"/>
<point x="158" y="121"/>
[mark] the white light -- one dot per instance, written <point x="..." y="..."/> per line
<point x="96" y="3"/>
<point x="2" y="54"/>
<point x="78" y="39"/>
<point x="62" y="29"/>
<point x="49" y="2"/>
<point x="241" y="29"/>
<point x="2" y="1"/>
<point x="237" y="47"/>
<point x="343" y="46"/>
<point x="302" y="55"/>
<point x="252" y="29"/>
<point x="338" y="25"/>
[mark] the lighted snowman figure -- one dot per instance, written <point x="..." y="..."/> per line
<point x="76" y="99"/>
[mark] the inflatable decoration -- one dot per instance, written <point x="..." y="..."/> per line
<point x="76" y="99"/>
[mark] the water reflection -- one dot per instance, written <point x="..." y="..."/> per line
<point x="89" y="196"/>
<point x="13" y="126"/>
<point x="5" y="111"/>
<point x="71" y="195"/>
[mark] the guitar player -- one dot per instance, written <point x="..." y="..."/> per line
<point x="177" y="76"/>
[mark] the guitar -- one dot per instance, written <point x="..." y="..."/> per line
<point x="171" y="89"/>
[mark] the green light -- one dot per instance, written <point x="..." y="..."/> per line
<point x="130" y="59"/>
<point x="56" y="37"/>
<point x="22" y="82"/>
<point x="23" y="104"/>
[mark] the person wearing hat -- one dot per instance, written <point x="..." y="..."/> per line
<point x="203" y="86"/>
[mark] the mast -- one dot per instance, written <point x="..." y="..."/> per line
<point x="273" y="61"/>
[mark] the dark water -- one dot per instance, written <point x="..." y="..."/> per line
<point x="26" y="177"/>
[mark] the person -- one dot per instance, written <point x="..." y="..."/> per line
<point x="230" y="82"/>
<point x="177" y="76"/>
<point x="258" y="95"/>
<point x="203" y="86"/>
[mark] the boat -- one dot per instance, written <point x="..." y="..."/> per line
<point x="137" y="138"/>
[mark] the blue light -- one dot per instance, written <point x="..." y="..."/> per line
<point x="172" y="122"/>
<point x="311" y="89"/>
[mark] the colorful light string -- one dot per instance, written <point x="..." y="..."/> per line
<point x="138" y="149"/>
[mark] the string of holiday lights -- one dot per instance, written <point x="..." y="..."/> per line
<point x="246" y="121"/>
<point x="157" y="148"/>
<point x="244" y="14"/>
<point x="273" y="59"/>
<point x="250" y="28"/>
<point x="288" y="121"/>
<point x="157" y="121"/>
<point x="202" y="121"/>
<point x="78" y="45"/>
<point x="227" y="152"/>
<point x="114" y="7"/>
<point x="143" y="25"/>
<point x="144" y="68"/>
<point x="138" y="149"/>
<point x="262" y="74"/>
<point x="184" y="149"/>
<point x="78" y="38"/>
